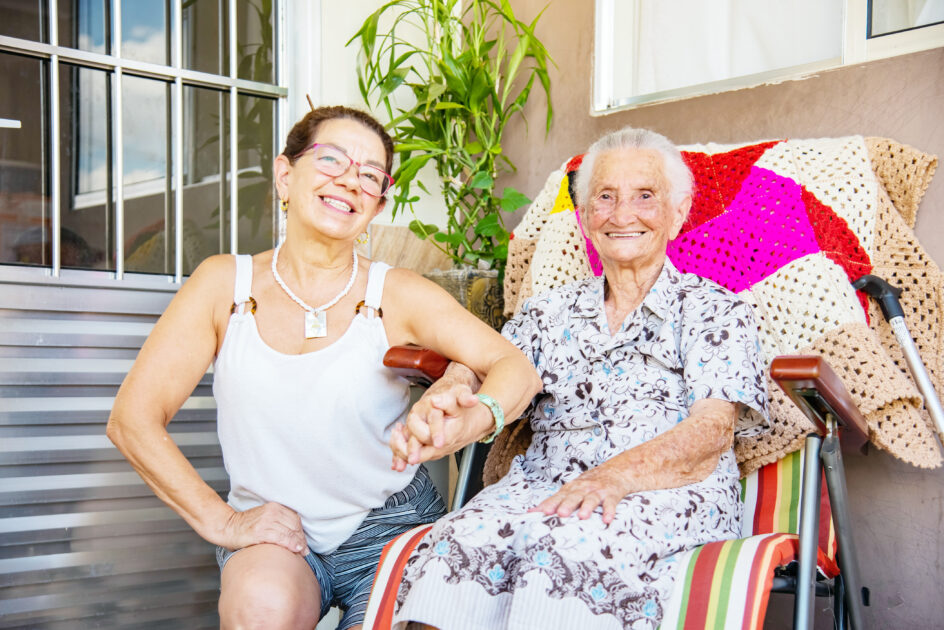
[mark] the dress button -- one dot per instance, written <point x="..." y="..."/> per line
<point x="597" y="430"/>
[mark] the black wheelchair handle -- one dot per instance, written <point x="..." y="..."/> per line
<point x="886" y="294"/>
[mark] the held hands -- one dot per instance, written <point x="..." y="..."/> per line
<point x="268" y="523"/>
<point x="603" y="486"/>
<point x="438" y="424"/>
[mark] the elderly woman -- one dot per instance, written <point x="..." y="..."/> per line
<point x="646" y="371"/>
<point x="296" y="337"/>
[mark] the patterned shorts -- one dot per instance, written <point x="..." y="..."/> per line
<point x="346" y="575"/>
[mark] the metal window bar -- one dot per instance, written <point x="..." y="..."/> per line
<point x="233" y="134"/>
<point x="118" y="142"/>
<point x="281" y="105"/>
<point x="55" y="151"/>
<point x="177" y="135"/>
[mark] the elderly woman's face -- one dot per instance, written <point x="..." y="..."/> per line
<point x="630" y="217"/>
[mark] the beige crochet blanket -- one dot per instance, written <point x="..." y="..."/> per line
<point x="858" y="198"/>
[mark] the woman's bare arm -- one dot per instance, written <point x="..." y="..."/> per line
<point x="685" y="454"/>
<point x="171" y="363"/>
<point x="428" y="316"/>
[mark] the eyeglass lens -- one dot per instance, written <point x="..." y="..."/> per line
<point x="333" y="162"/>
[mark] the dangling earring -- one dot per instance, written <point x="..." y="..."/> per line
<point x="362" y="239"/>
<point x="283" y="205"/>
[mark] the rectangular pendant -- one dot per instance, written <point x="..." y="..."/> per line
<point x="316" y="324"/>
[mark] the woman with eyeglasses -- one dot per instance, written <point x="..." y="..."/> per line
<point x="296" y="337"/>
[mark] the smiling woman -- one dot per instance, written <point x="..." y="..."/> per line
<point x="296" y="336"/>
<point x="646" y="371"/>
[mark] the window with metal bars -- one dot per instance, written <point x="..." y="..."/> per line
<point x="137" y="135"/>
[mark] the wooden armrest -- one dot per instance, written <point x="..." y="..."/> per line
<point x="813" y="387"/>
<point x="419" y="365"/>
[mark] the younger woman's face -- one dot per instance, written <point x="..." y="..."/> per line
<point x="335" y="206"/>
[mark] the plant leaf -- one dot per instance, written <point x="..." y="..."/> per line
<point x="512" y="200"/>
<point x="436" y="89"/>
<point x="454" y="239"/>
<point x="489" y="226"/>
<point x="481" y="180"/>
<point x="409" y="168"/>
<point x="393" y="80"/>
<point x="423" y="230"/>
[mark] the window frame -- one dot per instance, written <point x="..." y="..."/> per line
<point x="177" y="76"/>
<point x="857" y="47"/>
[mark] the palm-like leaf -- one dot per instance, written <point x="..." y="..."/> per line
<point x="466" y="69"/>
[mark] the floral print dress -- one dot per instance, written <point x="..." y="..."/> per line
<point x="494" y="565"/>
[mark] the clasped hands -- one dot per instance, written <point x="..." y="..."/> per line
<point x="441" y="422"/>
<point x="444" y="421"/>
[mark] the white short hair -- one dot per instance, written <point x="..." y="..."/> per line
<point x="674" y="167"/>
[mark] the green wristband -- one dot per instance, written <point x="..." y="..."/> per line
<point x="497" y="414"/>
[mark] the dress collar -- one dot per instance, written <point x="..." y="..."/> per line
<point x="589" y="298"/>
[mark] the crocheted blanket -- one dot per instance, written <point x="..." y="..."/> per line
<point x="787" y="225"/>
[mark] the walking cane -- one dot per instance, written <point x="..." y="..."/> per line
<point x="887" y="297"/>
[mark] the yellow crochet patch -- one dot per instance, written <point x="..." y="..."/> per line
<point x="563" y="202"/>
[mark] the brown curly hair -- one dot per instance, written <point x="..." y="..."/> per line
<point x="303" y="133"/>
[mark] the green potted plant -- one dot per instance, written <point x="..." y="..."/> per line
<point x="450" y="75"/>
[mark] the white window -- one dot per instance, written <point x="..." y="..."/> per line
<point x="139" y="134"/>
<point x="654" y="50"/>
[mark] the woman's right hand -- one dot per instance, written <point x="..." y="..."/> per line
<point x="268" y="523"/>
<point x="441" y="422"/>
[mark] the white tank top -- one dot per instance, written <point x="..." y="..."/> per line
<point x="310" y="431"/>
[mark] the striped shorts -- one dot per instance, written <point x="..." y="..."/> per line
<point x="346" y="575"/>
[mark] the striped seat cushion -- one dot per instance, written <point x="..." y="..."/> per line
<point x="772" y="500"/>
<point x="723" y="584"/>
<point x="727" y="584"/>
<point x="383" y="594"/>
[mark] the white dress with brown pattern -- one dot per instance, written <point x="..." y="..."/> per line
<point x="494" y="565"/>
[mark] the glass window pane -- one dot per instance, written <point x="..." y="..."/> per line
<point x="148" y="213"/>
<point x="205" y="36"/>
<point x="23" y="19"/>
<point x="742" y="38"/>
<point x="24" y="207"/>
<point x="205" y="229"/>
<point x="256" y="184"/>
<point x="891" y="16"/>
<point x="255" y="30"/>
<point x="144" y="31"/>
<point x="85" y="175"/>
<point x="83" y="24"/>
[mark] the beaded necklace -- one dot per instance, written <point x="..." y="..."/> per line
<point x="316" y="320"/>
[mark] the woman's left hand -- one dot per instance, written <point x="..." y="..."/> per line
<point x="601" y="486"/>
<point x="439" y="424"/>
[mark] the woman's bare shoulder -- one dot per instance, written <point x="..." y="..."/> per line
<point x="215" y="267"/>
<point x="213" y="280"/>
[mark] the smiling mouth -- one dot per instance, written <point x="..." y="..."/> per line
<point x="624" y="234"/>
<point x="337" y="204"/>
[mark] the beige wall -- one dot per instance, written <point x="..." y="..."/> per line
<point x="336" y="84"/>
<point x="897" y="509"/>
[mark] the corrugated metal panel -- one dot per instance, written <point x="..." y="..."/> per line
<point x="84" y="543"/>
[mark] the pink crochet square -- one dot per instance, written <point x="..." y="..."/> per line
<point x="765" y="228"/>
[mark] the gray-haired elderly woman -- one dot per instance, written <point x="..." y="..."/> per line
<point x="645" y="373"/>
